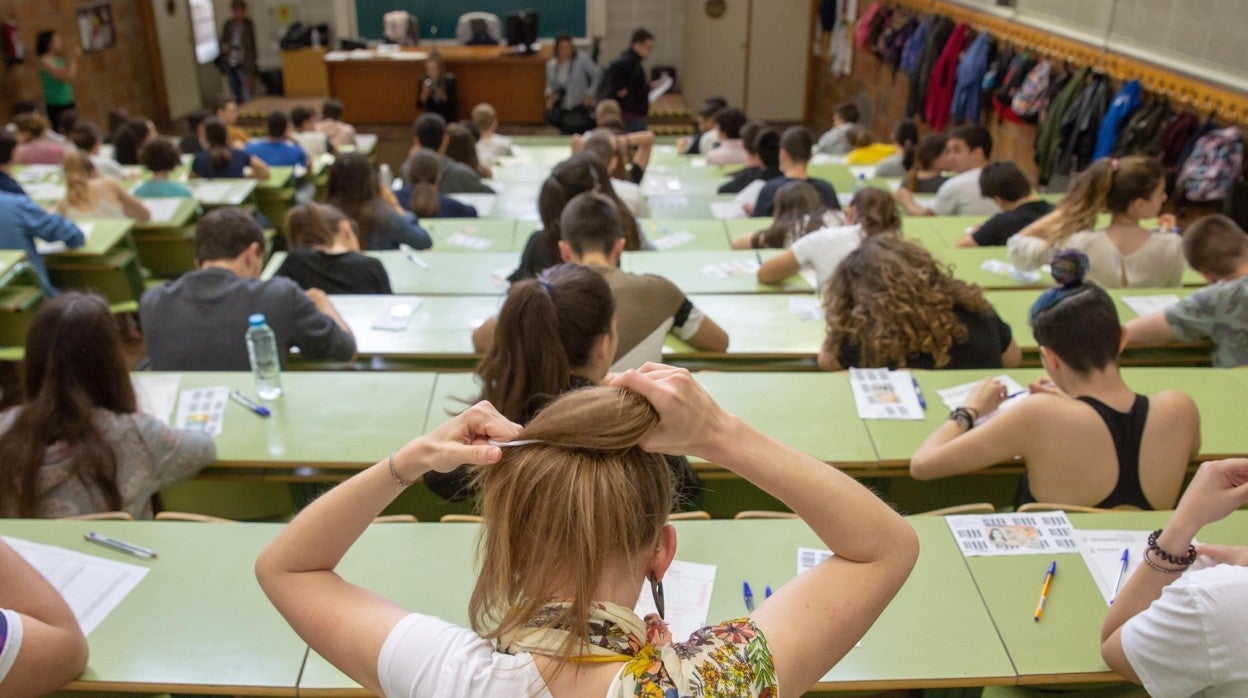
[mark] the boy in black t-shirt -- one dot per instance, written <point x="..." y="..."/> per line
<point x="1006" y="185"/>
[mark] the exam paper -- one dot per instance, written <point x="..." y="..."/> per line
<point x="46" y="247"/>
<point x="1102" y="553"/>
<point x="727" y="210"/>
<point x="989" y="535"/>
<point x="162" y="208"/>
<point x="36" y="173"/>
<point x="676" y="239"/>
<point x="807" y="558"/>
<point x="665" y="83"/>
<point x="217" y="193"/>
<point x="203" y="409"/>
<point x="807" y="309"/>
<point x="736" y="267"/>
<point x="45" y="191"/>
<point x="469" y="241"/>
<point x="92" y="586"/>
<point x="686" y="597"/>
<point x="883" y="394"/>
<point x="484" y="203"/>
<point x="956" y="396"/>
<point x="397" y="317"/>
<point x="997" y="266"/>
<point x="157" y="393"/>
<point x="1144" y="305"/>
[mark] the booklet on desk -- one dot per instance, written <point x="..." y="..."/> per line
<point x="883" y="394"/>
<point x="1145" y="305"/>
<point x="1038" y="533"/>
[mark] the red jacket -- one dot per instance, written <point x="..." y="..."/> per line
<point x="944" y="77"/>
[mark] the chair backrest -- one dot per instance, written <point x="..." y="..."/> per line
<point x="762" y="514"/>
<point x="1049" y="506"/>
<point x="396" y="518"/>
<point x="460" y="518"/>
<point x="980" y="508"/>
<point x="464" y="27"/>
<point x="689" y="516"/>
<point x="103" y="516"/>
<point x="187" y="516"/>
<point x="401" y="27"/>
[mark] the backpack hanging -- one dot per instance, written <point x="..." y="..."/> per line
<point x="1215" y="163"/>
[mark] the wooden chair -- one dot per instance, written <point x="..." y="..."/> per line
<point x="460" y="518"/>
<point x="980" y="508"/>
<point x="689" y="516"/>
<point x="187" y="516"/>
<point x="396" y="518"/>
<point x="1048" y="506"/>
<point x="763" y="514"/>
<point x="103" y="516"/>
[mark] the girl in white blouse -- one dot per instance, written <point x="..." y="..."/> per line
<point x="1124" y="254"/>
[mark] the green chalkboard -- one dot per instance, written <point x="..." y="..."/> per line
<point x="554" y="16"/>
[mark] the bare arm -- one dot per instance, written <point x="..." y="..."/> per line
<point x="131" y="206"/>
<point x="709" y="337"/>
<point x="1149" y="330"/>
<point x="814" y="620"/>
<point x="778" y="268"/>
<point x="952" y="450"/>
<point x="53" y="650"/>
<point x="905" y="199"/>
<point x="1012" y="357"/>
<point x="966" y="240"/>
<point x="483" y="335"/>
<point x="259" y="170"/>
<point x="745" y="241"/>
<point x="69" y="72"/>
<point x="828" y="361"/>
<point x="642" y="143"/>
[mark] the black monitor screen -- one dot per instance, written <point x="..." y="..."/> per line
<point x="522" y="28"/>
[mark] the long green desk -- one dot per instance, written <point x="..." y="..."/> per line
<point x="670" y="234"/>
<point x="20" y="296"/>
<point x="448" y="273"/>
<point x="685" y="269"/>
<point x="107" y="263"/>
<point x="501" y="234"/>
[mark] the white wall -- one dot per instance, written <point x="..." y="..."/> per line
<point x="714" y="53"/>
<point x="177" y="57"/>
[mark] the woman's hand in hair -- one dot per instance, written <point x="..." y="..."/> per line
<point x="690" y="422"/>
<point x="465" y="439"/>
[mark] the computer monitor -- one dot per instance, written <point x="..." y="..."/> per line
<point x="521" y="30"/>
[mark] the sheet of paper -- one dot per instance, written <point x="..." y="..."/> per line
<point x="92" y="586"/>
<point x="397" y="317"/>
<point x="1145" y="305"/>
<point x="1039" y="533"/>
<point x="862" y="171"/>
<point x="671" y="240"/>
<point x="956" y="396"/>
<point x="484" y="203"/>
<point x="807" y="558"/>
<point x="749" y="195"/>
<point x="45" y="247"/>
<point x="469" y="241"/>
<point x="45" y="191"/>
<point x="686" y="597"/>
<point x="210" y="192"/>
<point x="162" y="208"/>
<point x="736" y="267"/>
<point x="809" y="309"/>
<point x="726" y="210"/>
<point x="157" y="393"/>
<point x="1003" y="268"/>
<point x="1102" y="553"/>
<point x="665" y="83"/>
<point x="883" y="394"/>
<point x="202" y="409"/>
<point x="825" y="159"/>
<point x="36" y="173"/>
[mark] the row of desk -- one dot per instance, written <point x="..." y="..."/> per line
<point x="199" y="623"/>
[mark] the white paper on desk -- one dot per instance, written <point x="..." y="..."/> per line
<point x="46" y="247"/>
<point x="735" y="267"/>
<point x="397" y="317"/>
<point x="727" y="210"/>
<point x="36" y="173"/>
<point x="956" y="396"/>
<point x="686" y="595"/>
<point x="807" y="558"/>
<point x="469" y="241"/>
<point x="1145" y="305"/>
<point x="1003" y="268"/>
<point x="1102" y="553"/>
<point x="990" y="535"/>
<point x="806" y="308"/>
<point x="484" y="203"/>
<point x="162" y="208"/>
<point x="665" y="83"/>
<point x="157" y="393"/>
<point x="45" y="191"/>
<point x="671" y="240"/>
<point x="883" y="394"/>
<point x="202" y="409"/>
<point x="209" y="192"/>
<point x="749" y="195"/>
<point x="92" y="586"/>
<point x="825" y="159"/>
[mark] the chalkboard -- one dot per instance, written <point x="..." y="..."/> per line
<point x="554" y="16"/>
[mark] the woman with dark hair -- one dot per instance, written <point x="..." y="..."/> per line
<point x="130" y="139"/>
<point x="221" y="160"/>
<point x="1085" y="436"/>
<point x="799" y="210"/>
<point x="325" y="253"/>
<point x="79" y="445"/>
<point x="57" y="67"/>
<point x="462" y="147"/>
<point x="438" y="91"/>
<point x="381" y="223"/>
<point x="422" y="196"/>
<point x="924" y="164"/>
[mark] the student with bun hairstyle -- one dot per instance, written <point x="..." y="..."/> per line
<point x="1133" y="450"/>
<point x="325" y="253"/>
<point x="798" y="211"/>
<point x="1123" y="255"/>
<point x="161" y="158"/>
<point x="575" y="522"/>
<point x="906" y="138"/>
<point x="422" y="196"/>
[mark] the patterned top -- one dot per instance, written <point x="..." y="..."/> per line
<point x="729" y="660"/>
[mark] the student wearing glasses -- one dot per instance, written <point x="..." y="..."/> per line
<point x="1087" y="438"/>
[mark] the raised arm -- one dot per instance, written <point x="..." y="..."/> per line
<point x="53" y="651"/>
<point x="811" y="622"/>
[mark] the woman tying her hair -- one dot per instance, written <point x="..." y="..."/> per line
<point x="1123" y="255"/>
<point x="1133" y="450"/>
<point x="890" y="304"/>
<point x="799" y="210"/>
<point x="325" y="253"/>
<point x="871" y="212"/>
<point x="574" y="525"/>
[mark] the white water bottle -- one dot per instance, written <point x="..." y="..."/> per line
<point x="265" y="363"/>
<point x="385" y="176"/>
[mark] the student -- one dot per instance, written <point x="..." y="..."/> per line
<point x="381" y="222"/>
<point x="490" y="146"/>
<point x="799" y="211"/>
<point x="8" y="148"/>
<point x="613" y="150"/>
<point x="605" y="111"/>
<point x="762" y="165"/>
<point x="90" y="196"/>
<point x="629" y="152"/>
<point x="707" y="134"/>
<point x="198" y="321"/>
<point x="966" y="152"/>
<point x="278" y="150"/>
<point x="22" y="220"/>
<point x="78" y="444"/>
<point x="41" y="646"/>
<point x="906" y="138"/>
<point x="1132" y="450"/>
<point x="193" y="141"/>
<point x="624" y="80"/>
<point x="160" y="157"/>
<point x="578" y="174"/>
<point x="925" y="165"/>
<point x="1009" y="189"/>
<point x="340" y="133"/>
<point x="1217" y="248"/>
<point x="866" y="151"/>
<point x="422" y="197"/>
<point x="35" y="148"/>
<point x="325" y="253"/>
<point x="835" y="141"/>
<point x="572" y="80"/>
<point x="731" y="150"/>
<point x="588" y="497"/>
<point x="795" y="147"/>
<point x="439" y="93"/>
<point x="86" y="138"/>
<point x="307" y="135"/>
<point x="1124" y="255"/>
<point x="890" y="304"/>
<point x="429" y="133"/>
<point x="227" y="112"/>
<point x="1179" y="631"/>
<point x="58" y="67"/>
<point x="461" y="148"/>
<point x="130" y="137"/>
<point x="871" y="212"/>
<point x="221" y="160"/>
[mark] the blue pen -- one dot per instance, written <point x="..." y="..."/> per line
<point x="767" y="592"/>
<point x="240" y="398"/>
<point x="1122" y="571"/>
<point x="749" y="596"/>
<point x="919" y="392"/>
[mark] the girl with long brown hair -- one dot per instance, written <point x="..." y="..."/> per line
<point x="575" y="508"/>
<point x="422" y="196"/>
<point x="799" y="210"/>
<point x="438" y="90"/>
<point x="78" y="444"/>
<point x="381" y="223"/>
<point x="90" y="196"/>
<point x="890" y="304"/>
<point x="462" y="147"/>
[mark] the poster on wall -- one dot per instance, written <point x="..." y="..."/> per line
<point x="204" y="29"/>
<point x="95" y="27"/>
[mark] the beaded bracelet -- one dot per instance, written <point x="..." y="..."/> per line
<point x="1185" y="561"/>
<point x="1164" y="570"/>
<point x="395" y="473"/>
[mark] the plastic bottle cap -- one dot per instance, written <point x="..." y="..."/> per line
<point x="255" y="320"/>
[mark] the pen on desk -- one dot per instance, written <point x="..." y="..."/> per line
<point x="240" y="398"/>
<point x="120" y="545"/>
<point x="919" y="392"/>
<point x="1015" y="394"/>
<point x="749" y="596"/>
<point x="411" y="256"/>
<point x="767" y="592"/>
<point x="759" y="256"/>
<point x="1044" y="592"/>
<point x="1122" y="572"/>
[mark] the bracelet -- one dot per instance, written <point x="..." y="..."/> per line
<point x="1185" y="561"/>
<point x="395" y="473"/>
<point x="1164" y="570"/>
<point x="963" y="416"/>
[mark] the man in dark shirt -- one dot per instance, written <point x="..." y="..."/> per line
<point x="199" y="321"/>
<point x="795" y="149"/>
<point x="429" y="134"/>
<point x="1005" y="184"/>
<point x="624" y="80"/>
<point x="8" y="144"/>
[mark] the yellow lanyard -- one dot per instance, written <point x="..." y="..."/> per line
<point x="599" y="659"/>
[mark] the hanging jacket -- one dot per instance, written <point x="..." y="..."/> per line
<point x="1017" y="73"/>
<point x="862" y="29"/>
<point x="1175" y="139"/>
<point x="937" y="37"/>
<point x="1048" y="136"/>
<point x="1124" y="103"/>
<point x="1142" y="134"/>
<point x="827" y="14"/>
<point x="1029" y="98"/>
<point x="1080" y="124"/>
<point x="895" y="41"/>
<point x="879" y="23"/>
<point x="997" y="68"/>
<point x="913" y="50"/>
<point x="970" y="75"/>
<point x="943" y="79"/>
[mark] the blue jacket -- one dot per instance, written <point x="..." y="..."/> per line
<point x="1126" y="101"/>
<point x="22" y="220"/>
<point x="971" y="71"/>
<point x="913" y="50"/>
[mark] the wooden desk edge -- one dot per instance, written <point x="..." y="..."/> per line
<point x="132" y="687"/>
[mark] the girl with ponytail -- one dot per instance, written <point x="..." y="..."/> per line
<point x="1086" y="437"/>
<point x="222" y="160"/>
<point x="1124" y="254"/>
<point x="798" y="210"/>
<point x="575" y="509"/>
<point x="423" y="198"/>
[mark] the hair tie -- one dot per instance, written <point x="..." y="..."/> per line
<point x="550" y="290"/>
<point x="1069" y="267"/>
<point x="1113" y="164"/>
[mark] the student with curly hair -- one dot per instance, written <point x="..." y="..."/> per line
<point x="890" y="304"/>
